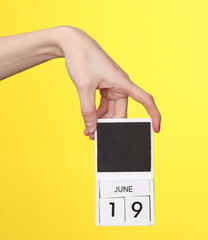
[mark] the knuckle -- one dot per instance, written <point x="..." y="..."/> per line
<point x="122" y="83"/>
<point x="87" y="111"/>
<point x="122" y="75"/>
<point x="82" y="81"/>
<point x="149" y="99"/>
<point x="83" y="85"/>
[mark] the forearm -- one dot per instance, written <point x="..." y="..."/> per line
<point x="23" y="51"/>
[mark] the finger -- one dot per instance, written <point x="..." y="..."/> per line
<point x="102" y="109"/>
<point x="148" y="102"/>
<point x="88" y="109"/>
<point x="86" y="133"/>
<point x="110" y="110"/>
<point x="120" y="108"/>
<point x="92" y="136"/>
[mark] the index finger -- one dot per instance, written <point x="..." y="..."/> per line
<point x="148" y="102"/>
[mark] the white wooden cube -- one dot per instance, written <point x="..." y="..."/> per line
<point x="112" y="210"/>
<point x="137" y="209"/>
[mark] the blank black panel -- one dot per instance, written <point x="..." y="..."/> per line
<point x="124" y="147"/>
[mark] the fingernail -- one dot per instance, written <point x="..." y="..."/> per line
<point x="92" y="136"/>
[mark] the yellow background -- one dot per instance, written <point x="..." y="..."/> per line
<point x="47" y="169"/>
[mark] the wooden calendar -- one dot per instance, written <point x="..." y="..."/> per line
<point x="124" y="172"/>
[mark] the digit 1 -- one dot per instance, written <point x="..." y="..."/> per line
<point x="135" y="210"/>
<point x="113" y="208"/>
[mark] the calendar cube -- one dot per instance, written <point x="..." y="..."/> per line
<point x="112" y="210"/>
<point x="137" y="209"/>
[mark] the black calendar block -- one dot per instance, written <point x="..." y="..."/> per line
<point x="123" y="147"/>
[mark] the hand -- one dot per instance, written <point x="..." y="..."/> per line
<point x="90" y="68"/>
<point x="88" y="65"/>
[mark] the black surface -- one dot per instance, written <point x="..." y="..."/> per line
<point x="123" y="147"/>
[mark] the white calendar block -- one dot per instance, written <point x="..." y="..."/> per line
<point x="122" y="188"/>
<point x="112" y="210"/>
<point x="137" y="209"/>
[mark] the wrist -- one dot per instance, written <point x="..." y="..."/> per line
<point x="65" y="39"/>
<point x="70" y="39"/>
<point x="55" y="41"/>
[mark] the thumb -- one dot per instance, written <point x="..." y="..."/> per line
<point x="88" y="109"/>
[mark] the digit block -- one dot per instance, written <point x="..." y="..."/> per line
<point x="137" y="209"/>
<point x="112" y="210"/>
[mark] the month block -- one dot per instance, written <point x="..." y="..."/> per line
<point x="121" y="188"/>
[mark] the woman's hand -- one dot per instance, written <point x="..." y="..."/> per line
<point x="88" y="65"/>
<point x="90" y="68"/>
